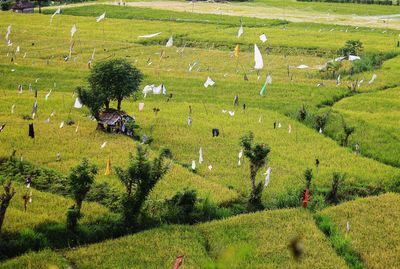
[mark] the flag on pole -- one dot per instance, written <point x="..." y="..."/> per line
<point x="263" y="38"/>
<point x="267" y="175"/>
<point x="170" y="42"/>
<point x="78" y="103"/>
<point x="8" y="32"/>
<point x="101" y="17"/>
<point x="200" y="155"/>
<point x="259" y="64"/>
<point x="73" y="30"/>
<point x="58" y="11"/>
<point x="240" y="32"/>
<point x="209" y="82"/>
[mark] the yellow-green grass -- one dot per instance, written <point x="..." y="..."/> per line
<point x="375" y="116"/>
<point x="45" y="207"/>
<point x="374" y="230"/>
<point x="267" y="235"/>
<point x="45" y="259"/>
<point x="156" y="248"/>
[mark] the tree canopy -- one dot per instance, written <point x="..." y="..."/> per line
<point x="111" y="80"/>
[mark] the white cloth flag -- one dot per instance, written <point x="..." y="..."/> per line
<point x="92" y="57"/>
<point x="101" y="17"/>
<point x="374" y="76"/>
<point x="170" y="42"/>
<point x="78" y="103"/>
<point x="8" y="32"/>
<point x="200" y="155"/>
<point x="150" y="35"/>
<point x="240" y="32"/>
<point x="259" y="64"/>
<point x="240" y="157"/>
<point x="61" y="124"/>
<point x="353" y="58"/>
<point x="47" y="95"/>
<point x="73" y="30"/>
<point x="193" y="165"/>
<point x="148" y="89"/>
<point x="160" y="89"/>
<point x="263" y="38"/>
<point x="17" y="50"/>
<point x="103" y="145"/>
<point x="58" y="11"/>
<point x="209" y="82"/>
<point x="267" y="175"/>
<point x="141" y="106"/>
<point x="338" y="80"/>
<point x="302" y="66"/>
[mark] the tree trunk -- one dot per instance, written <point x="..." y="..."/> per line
<point x="5" y="199"/>
<point x="253" y="174"/>
<point x="40" y="6"/>
<point x="119" y="104"/>
<point x="107" y="104"/>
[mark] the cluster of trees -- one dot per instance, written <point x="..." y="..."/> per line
<point x="139" y="178"/>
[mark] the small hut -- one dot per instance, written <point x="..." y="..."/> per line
<point x="23" y="7"/>
<point x="116" y="121"/>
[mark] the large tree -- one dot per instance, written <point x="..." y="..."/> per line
<point x="111" y="80"/>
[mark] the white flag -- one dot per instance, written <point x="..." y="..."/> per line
<point x="47" y="95"/>
<point x="73" y="30"/>
<point x="12" y="109"/>
<point x="103" y="145"/>
<point x="259" y="64"/>
<point x="193" y="165"/>
<point x="61" y="124"/>
<point x="263" y="38"/>
<point x="374" y="76"/>
<point x="240" y="156"/>
<point x="8" y="32"/>
<point x="150" y="35"/>
<point x="77" y="128"/>
<point x="17" y="50"/>
<point x="200" y="155"/>
<point x="141" y="106"/>
<point x="353" y="58"/>
<point x="101" y="17"/>
<point x="267" y="175"/>
<point x="92" y="57"/>
<point x="78" y="103"/>
<point x="302" y="66"/>
<point x="170" y="42"/>
<point x="209" y="82"/>
<point x="58" y="11"/>
<point x="240" y="32"/>
<point x="210" y="167"/>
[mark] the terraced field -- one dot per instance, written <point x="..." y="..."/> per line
<point x="250" y="240"/>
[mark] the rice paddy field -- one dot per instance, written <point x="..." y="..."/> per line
<point x="204" y="44"/>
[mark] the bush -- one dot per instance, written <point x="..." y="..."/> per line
<point x="6" y="5"/>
